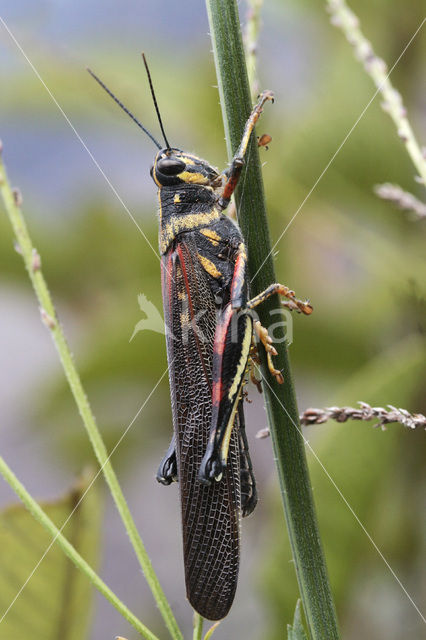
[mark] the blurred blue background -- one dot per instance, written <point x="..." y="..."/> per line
<point x="358" y="260"/>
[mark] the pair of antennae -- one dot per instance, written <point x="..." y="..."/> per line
<point x="120" y="104"/>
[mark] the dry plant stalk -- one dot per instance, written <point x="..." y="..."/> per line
<point x="364" y="412"/>
<point x="376" y="68"/>
<point x="402" y="199"/>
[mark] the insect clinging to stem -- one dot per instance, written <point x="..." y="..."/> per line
<point x="209" y="338"/>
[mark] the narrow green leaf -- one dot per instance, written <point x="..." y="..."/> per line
<point x="296" y="630"/>
<point x="212" y="629"/>
<point x="48" y="314"/>
<point x="51" y="601"/>
<point x="57" y="538"/>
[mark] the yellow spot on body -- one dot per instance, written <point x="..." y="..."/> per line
<point x="188" y="176"/>
<point x="181" y="295"/>
<point x="187" y="160"/>
<point x="184" y="317"/>
<point x="176" y="199"/>
<point x="211" y="235"/>
<point x="209" y="266"/>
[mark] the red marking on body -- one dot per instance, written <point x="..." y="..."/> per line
<point x="237" y="278"/>
<point x="217" y="393"/>
<point x="218" y="350"/>
<point x="191" y="308"/>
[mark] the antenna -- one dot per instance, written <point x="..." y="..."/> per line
<point x="120" y="104"/>
<point x="155" y="101"/>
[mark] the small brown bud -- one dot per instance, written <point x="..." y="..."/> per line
<point x="264" y="140"/>
<point x="17" y="197"/>
<point x="36" y="261"/>
<point x="47" y="319"/>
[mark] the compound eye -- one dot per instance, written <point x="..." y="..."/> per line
<point x="170" y="166"/>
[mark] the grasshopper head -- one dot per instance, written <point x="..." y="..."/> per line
<point x="173" y="167"/>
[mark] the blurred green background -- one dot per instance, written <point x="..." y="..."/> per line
<point x="359" y="261"/>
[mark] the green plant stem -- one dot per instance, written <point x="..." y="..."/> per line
<point x="284" y="425"/>
<point x="38" y="513"/>
<point x="348" y="22"/>
<point x="251" y="37"/>
<point x="198" y="626"/>
<point x="33" y="265"/>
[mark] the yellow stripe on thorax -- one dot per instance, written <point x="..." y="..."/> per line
<point x="191" y="221"/>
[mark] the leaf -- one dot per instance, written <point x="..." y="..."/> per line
<point x="296" y="631"/>
<point x="212" y="630"/>
<point x="50" y="600"/>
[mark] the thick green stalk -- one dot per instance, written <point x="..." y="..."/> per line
<point x="57" y="538"/>
<point x="280" y="401"/>
<point x="251" y="37"/>
<point x="48" y="314"/>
